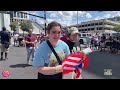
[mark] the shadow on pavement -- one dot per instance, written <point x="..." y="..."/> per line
<point x="2" y="59"/>
<point x="99" y="61"/>
<point x="20" y="65"/>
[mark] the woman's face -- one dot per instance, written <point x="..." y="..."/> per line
<point x="54" y="33"/>
<point x="74" y="37"/>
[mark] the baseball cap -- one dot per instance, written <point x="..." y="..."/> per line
<point x="73" y="30"/>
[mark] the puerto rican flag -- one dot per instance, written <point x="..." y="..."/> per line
<point x="75" y="62"/>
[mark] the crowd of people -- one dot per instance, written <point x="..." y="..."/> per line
<point x="106" y="43"/>
<point x="52" y="48"/>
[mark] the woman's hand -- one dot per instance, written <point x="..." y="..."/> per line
<point x="74" y="75"/>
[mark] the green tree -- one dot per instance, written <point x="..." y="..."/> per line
<point x="117" y="28"/>
<point x="118" y="18"/>
<point x="25" y="26"/>
<point x="13" y="25"/>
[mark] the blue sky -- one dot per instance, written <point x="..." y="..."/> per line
<point x="70" y="17"/>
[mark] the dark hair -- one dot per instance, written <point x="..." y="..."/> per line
<point x="3" y="28"/>
<point x="53" y="24"/>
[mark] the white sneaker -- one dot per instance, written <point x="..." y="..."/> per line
<point x="30" y="62"/>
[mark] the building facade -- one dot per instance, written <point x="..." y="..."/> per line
<point x="18" y="16"/>
<point x="5" y="21"/>
<point x="96" y="26"/>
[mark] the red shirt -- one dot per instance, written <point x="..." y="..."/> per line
<point x="30" y="38"/>
<point x="63" y="38"/>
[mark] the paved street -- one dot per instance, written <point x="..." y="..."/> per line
<point x="99" y="61"/>
<point x="16" y="64"/>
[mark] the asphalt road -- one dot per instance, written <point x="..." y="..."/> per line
<point x="98" y="61"/>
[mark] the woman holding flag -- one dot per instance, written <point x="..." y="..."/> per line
<point x="46" y="61"/>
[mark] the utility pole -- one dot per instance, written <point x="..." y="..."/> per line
<point x="78" y="27"/>
<point x="45" y="21"/>
<point x="77" y="19"/>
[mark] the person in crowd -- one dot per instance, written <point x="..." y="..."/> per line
<point x="30" y="41"/>
<point x="15" y="38"/>
<point x="45" y="61"/>
<point x="5" y="42"/>
<point x="65" y="35"/>
<point x="73" y="41"/>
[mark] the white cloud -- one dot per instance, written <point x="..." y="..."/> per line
<point x="37" y="19"/>
<point x="53" y="15"/>
<point x="68" y="13"/>
<point x="97" y="18"/>
<point x="65" y="17"/>
<point x="81" y="13"/>
<point x="70" y="17"/>
<point x="88" y="15"/>
<point x="50" y="11"/>
<point x="50" y="20"/>
<point x="107" y="15"/>
<point x="116" y="13"/>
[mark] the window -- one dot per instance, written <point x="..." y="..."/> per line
<point x="85" y="25"/>
<point x="84" y="35"/>
<point x="100" y="28"/>
<point x="14" y="13"/>
<point x="21" y="15"/>
<point x="11" y="20"/>
<point x="11" y="14"/>
<point x="88" y="34"/>
<point x="88" y="29"/>
<point x="82" y="25"/>
<point x="88" y="24"/>
<point x="96" y="23"/>
<point x="18" y="14"/>
<point x="92" y="28"/>
<point x="92" y="24"/>
<point x="100" y="23"/>
<point x="24" y="15"/>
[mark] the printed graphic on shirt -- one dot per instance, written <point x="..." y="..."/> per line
<point x="76" y="49"/>
<point x="53" y="60"/>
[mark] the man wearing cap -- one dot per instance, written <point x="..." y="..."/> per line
<point x="73" y="41"/>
